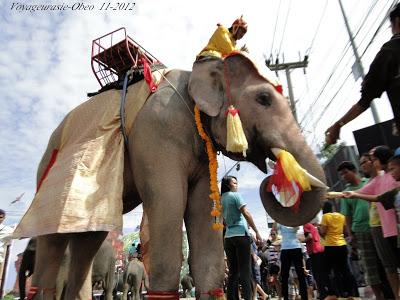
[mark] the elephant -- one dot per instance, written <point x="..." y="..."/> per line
<point x="27" y="266"/>
<point x="187" y="285"/>
<point x="134" y="275"/>
<point x="102" y="270"/>
<point x="118" y="283"/>
<point x="167" y="170"/>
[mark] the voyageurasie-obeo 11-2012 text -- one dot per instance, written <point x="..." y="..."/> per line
<point x="77" y="6"/>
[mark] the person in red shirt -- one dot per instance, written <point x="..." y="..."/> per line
<point x="315" y="252"/>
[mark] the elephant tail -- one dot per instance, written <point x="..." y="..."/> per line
<point x="130" y="279"/>
<point x="145" y="238"/>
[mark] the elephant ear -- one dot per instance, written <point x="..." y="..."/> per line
<point x="206" y="87"/>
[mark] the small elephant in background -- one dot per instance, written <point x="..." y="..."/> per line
<point x="134" y="275"/>
<point x="118" y="283"/>
<point x="102" y="270"/>
<point x="187" y="283"/>
<point x="27" y="266"/>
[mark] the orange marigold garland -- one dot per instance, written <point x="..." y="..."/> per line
<point x="212" y="167"/>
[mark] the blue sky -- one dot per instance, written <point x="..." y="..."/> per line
<point x="45" y="70"/>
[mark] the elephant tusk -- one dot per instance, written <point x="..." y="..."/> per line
<point x="313" y="180"/>
<point x="276" y="151"/>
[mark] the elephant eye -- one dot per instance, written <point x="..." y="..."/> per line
<point x="264" y="99"/>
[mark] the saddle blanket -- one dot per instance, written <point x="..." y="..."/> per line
<point x="83" y="189"/>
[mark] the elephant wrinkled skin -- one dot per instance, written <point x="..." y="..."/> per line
<point x="102" y="270"/>
<point x="168" y="170"/>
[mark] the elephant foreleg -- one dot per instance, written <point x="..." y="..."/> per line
<point x="126" y="291"/>
<point x="165" y="219"/>
<point x="205" y="244"/>
<point x="109" y="282"/>
<point x="50" y="251"/>
<point x="83" y="247"/>
<point x="164" y="197"/>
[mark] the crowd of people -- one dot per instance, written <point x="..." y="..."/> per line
<point x="355" y="242"/>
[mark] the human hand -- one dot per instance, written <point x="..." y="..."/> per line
<point x="348" y="194"/>
<point x="332" y="134"/>
<point x="395" y="132"/>
<point x="258" y="238"/>
<point x="353" y="239"/>
<point x="244" y="48"/>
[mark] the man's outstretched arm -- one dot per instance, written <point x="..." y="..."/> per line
<point x="332" y="133"/>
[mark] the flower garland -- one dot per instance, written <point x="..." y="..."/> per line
<point x="212" y="167"/>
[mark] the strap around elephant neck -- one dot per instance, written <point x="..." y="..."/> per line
<point x="227" y="83"/>
<point x="236" y="140"/>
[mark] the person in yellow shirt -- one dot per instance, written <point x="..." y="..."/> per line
<point x="223" y="40"/>
<point x="331" y="228"/>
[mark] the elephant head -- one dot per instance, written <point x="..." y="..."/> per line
<point x="267" y="122"/>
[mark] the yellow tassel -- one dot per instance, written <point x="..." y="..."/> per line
<point x="235" y="138"/>
<point x="293" y="171"/>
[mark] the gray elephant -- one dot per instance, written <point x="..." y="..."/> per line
<point x="102" y="270"/>
<point x="27" y="266"/>
<point x="118" y="283"/>
<point x="187" y="285"/>
<point x="134" y="276"/>
<point x="168" y="173"/>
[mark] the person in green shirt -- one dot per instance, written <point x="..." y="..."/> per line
<point x="356" y="211"/>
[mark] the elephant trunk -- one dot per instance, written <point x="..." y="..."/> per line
<point x="310" y="202"/>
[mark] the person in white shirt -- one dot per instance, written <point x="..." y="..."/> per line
<point x="5" y="239"/>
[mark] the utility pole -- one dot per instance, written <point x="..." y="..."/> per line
<point x="358" y="69"/>
<point x="287" y="67"/>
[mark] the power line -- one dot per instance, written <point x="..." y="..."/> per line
<point x="338" y="77"/>
<point x="284" y="28"/>
<point x="337" y="92"/>
<point x="371" y="41"/>
<point x="372" y="6"/>
<point x="379" y="28"/>
<point x="318" y="26"/>
<point x="331" y="100"/>
<point x="276" y="22"/>
<point x="330" y="49"/>
<point x="317" y="135"/>
<point x="342" y="55"/>
<point x="376" y="20"/>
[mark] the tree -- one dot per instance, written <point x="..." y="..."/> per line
<point x="328" y="151"/>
